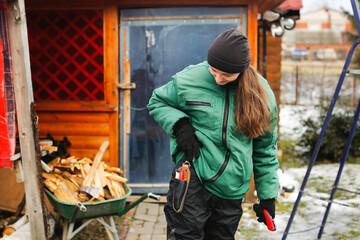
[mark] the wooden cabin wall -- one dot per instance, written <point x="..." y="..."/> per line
<point x="85" y="130"/>
<point x="88" y="123"/>
<point x="273" y="62"/>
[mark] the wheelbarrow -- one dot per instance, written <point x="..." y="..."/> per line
<point x="94" y="211"/>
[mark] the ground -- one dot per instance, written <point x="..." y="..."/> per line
<point x="342" y="222"/>
<point x="96" y="231"/>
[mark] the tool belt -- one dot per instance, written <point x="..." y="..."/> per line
<point x="181" y="186"/>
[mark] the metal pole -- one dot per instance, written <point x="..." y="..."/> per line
<point x="341" y="167"/>
<point x="321" y="136"/>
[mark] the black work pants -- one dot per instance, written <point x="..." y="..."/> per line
<point x="204" y="216"/>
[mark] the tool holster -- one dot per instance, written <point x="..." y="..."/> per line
<point x="181" y="186"/>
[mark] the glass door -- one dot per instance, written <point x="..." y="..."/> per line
<point x="154" y="45"/>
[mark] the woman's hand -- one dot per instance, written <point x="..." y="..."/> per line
<point x="268" y="205"/>
<point x="186" y="139"/>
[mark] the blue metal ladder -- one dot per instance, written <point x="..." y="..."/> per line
<point x="356" y="10"/>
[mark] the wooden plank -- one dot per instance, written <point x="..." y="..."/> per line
<point x="177" y="17"/>
<point x="111" y="76"/>
<point x="127" y="80"/>
<point x="271" y="50"/>
<point x="92" y="117"/>
<point x="273" y="58"/>
<point x="252" y="33"/>
<point x="110" y="187"/>
<point x="273" y="76"/>
<point x="95" y="4"/>
<point x="64" y="193"/>
<point x="277" y="95"/>
<point x="275" y="85"/>
<point x="72" y="106"/>
<point x="116" y="177"/>
<point x="84" y="142"/>
<point x="89" y="178"/>
<point x="270" y="40"/>
<point x="273" y="67"/>
<point x="84" y="152"/>
<point x="252" y="25"/>
<point x="85" y="129"/>
<point x="126" y="86"/>
<point x="97" y="183"/>
<point x="101" y="173"/>
<point x="126" y="104"/>
<point x="24" y="97"/>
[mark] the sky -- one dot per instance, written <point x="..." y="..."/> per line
<point x="313" y="5"/>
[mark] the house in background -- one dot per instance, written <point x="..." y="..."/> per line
<point x="318" y="34"/>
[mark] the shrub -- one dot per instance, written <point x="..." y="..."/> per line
<point x="335" y="137"/>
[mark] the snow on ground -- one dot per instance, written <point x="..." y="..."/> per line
<point x="290" y="117"/>
<point x="342" y="222"/>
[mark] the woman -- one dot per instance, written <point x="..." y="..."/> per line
<point x="222" y="118"/>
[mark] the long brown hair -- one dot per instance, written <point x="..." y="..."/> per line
<point x="252" y="115"/>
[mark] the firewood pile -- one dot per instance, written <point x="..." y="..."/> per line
<point x="67" y="176"/>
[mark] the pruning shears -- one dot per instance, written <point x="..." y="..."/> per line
<point x="269" y="221"/>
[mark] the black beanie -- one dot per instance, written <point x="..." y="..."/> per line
<point x="230" y="52"/>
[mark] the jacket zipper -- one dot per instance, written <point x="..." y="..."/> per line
<point x="197" y="103"/>
<point x="224" y="134"/>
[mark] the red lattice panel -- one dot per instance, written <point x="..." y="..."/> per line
<point x="66" y="53"/>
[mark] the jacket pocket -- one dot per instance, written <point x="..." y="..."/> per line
<point x="201" y="111"/>
<point x="197" y="103"/>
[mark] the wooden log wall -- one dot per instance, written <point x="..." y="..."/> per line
<point x="273" y="62"/>
<point x="88" y="124"/>
<point x="85" y="130"/>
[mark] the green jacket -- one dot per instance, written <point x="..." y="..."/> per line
<point x="224" y="171"/>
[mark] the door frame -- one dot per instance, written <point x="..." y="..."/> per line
<point x="125" y="79"/>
